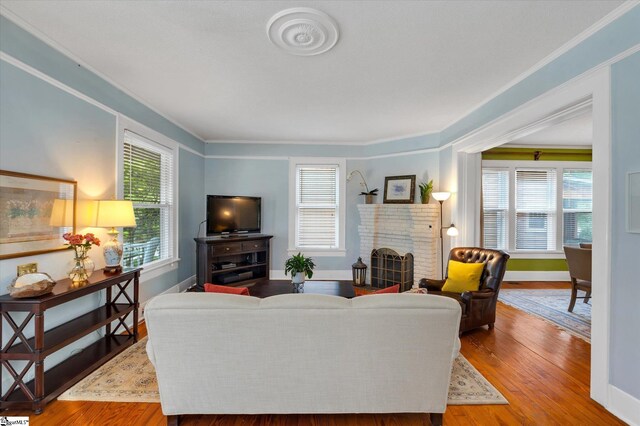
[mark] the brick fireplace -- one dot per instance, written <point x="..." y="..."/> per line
<point x="404" y="228"/>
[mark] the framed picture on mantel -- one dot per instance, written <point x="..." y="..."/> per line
<point x="399" y="189"/>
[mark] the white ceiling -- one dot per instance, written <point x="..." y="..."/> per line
<point x="399" y="68"/>
<point x="577" y="131"/>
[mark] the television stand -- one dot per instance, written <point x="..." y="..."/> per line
<point x="250" y="254"/>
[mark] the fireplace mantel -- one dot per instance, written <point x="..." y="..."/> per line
<point x="405" y="228"/>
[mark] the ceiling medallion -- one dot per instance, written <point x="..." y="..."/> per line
<point x="303" y="31"/>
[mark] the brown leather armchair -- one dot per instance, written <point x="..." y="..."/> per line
<point x="478" y="307"/>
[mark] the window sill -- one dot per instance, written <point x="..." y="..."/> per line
<point x="155" y="269"/>
<point x="318" y="252"/>
<point x="536" y="254"/>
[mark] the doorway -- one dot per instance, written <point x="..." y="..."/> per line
<point x="591" y="89"/>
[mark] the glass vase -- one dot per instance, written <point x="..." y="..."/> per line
<point x="80" y="269"/>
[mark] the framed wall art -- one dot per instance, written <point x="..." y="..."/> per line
<point x="633" y="202"/>
<point x="35" y="211"/>
<point x="399" y="189"/>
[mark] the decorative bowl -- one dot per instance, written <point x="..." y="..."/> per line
<point x="31" y="285"/>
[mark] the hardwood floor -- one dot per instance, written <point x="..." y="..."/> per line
<point x="541" y="370"/>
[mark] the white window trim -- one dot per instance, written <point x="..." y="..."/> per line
<point x="157" y="268"/>
<point x="560" y="166"/>
<point x="342" y="186"/>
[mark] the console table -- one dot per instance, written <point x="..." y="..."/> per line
<point x="46" y="386"/>
<point x="234" y="259"/>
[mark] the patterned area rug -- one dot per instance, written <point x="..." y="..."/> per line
<point x="130" y="377"/>
<point x="551" y="305"/>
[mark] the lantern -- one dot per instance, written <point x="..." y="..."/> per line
<point x="359" y="273"/>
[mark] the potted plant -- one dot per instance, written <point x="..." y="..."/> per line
<point x="368" y="195"/>
<point x="425" y="191"/>
<point x="299" y="266"/>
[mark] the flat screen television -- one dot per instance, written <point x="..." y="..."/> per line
<point x="228" y="214"/>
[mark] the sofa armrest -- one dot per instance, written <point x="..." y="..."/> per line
<point x="429" y="284"/>
<point x="150" y="353"/>
<point x="467" y="296"/>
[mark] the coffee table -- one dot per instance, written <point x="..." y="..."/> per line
<point x="268" y="288"/>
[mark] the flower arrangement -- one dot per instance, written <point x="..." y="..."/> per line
<point x="81" y="268"/>
<point x="368" y="194"/>
<point x="81" y="244"/>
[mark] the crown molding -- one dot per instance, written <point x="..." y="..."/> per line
<point x="267" y="142"/>
<point x="347" y="143"/>
<point x="61" y="49"/>
<point x="58" y="84"/>
<point x="606" y="20"/>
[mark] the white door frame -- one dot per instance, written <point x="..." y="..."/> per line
<point x="594" y="85"/>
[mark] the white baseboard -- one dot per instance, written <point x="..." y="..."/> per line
<point x="178" y="288"/>
<point x="278" y="274"/>
<point x="624" y="406"/>
<point x="537" y="276"/>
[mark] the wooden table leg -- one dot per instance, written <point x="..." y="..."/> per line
<point x="136" y="283"/>
<point x="39" y="364"/>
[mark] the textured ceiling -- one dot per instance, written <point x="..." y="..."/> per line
<point x="399" y="68"/>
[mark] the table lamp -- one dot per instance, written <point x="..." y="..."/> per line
<point x="112" y="214"/>
<point x="62" y="213"/>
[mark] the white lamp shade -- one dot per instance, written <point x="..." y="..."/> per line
<point x="115" y="213"/>
<point x="441" y="196"/>
<point x="61" y="213"/>
<point x="452" y="231"/>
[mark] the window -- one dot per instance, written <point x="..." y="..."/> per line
<point x="318" y="206"/>
<point x="576" y="206"/>
<point x="149" y="183"/>
<point x="536" y="206"/>
<point x="495" y="208"/>
<point x="535" y="209"/>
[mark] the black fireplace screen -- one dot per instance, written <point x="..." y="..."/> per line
<point x="388" y="268"/>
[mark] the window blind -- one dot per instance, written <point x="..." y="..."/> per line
<point x="317" y="206"/>
<point x="535" y="201"/>
<point x="495" y="208"/>
<point x="577" y="188"/>
<point x="148" y="183"/>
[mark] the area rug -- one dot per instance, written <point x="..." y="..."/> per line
<point x="130" y="377"/>
<point x="551" y="305"/>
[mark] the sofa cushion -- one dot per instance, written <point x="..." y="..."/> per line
<point x="463" y="277"/>
<point x="214" y="288"/>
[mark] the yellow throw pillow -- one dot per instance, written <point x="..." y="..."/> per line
<point x="463" y="277"/>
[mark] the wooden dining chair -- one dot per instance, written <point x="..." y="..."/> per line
<point x="579" y="263"/>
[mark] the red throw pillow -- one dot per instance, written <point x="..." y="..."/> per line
<point x="214" y="288"/>
<point x="392" y="289"/>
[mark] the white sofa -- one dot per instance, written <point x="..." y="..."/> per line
<point x="302" y="353"/>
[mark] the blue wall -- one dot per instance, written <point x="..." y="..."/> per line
<point x="45" y="130"/>
<point x="625" y="288"/>
<point x="73" y="122"/>
<point x="269" y="179"/>
<point x="35" y="53"/>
